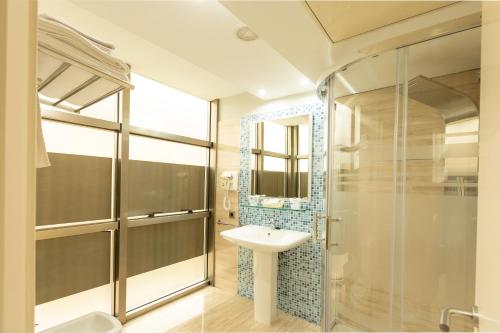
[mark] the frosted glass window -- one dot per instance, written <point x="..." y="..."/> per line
<point x="343" y="117"/>
<point x="165" y="177"/>
<point x="303" y="140"/>
<point x="164" y="258"/>
<point x="106" y="109"/>
<point x="274" y="137"/>
<point x="158" y="107"/>
<point x="78" y="185"/>
<point x="155" y="150"/>
<point x="465" y="131"/>
<point x="72" y="278"/>
<point x="253" y="162"/>
<point x="253" y="136"/>
<point x="303" y="165"/>
<point x="78" y="140"/>
<point x="274" y="164"/>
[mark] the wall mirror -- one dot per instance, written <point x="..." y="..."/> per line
<point x="280" y="157"/>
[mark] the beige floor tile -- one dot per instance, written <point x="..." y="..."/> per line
<point x="212" y="310"/>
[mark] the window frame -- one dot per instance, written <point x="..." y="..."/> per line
<point x="120" y="223"/>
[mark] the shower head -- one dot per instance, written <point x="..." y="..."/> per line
<point x="451" y="103"/>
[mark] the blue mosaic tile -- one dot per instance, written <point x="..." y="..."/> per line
<point x="299" y="269"/>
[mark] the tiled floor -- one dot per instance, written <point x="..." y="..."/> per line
<point x="212" y="310"/>
<point x="226" y="263"/>
<point x="343" y="328"/>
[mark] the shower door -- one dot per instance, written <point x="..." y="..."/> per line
<point x="360" y="193"/>
<point x="402" y="187"/>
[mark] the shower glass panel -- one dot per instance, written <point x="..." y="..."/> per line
<point x="361" y="239"/>
<point x="440" y="180"/>
<point x="404" y="129"/>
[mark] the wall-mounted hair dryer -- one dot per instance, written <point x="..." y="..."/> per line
<point x="229" y="182"/>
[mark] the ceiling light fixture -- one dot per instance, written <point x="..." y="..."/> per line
<point x="262" y="92"/>
<point x="247" y="35"/>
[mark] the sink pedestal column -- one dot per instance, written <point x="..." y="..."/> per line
<point x="265" y="284"/>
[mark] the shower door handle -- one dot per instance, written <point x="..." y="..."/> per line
<point x="448" y="313"/>
<point x="316" y="218"/>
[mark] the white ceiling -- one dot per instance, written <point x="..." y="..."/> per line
<point x="346" y="19"/>
<point x="192" y="46"/>
<point x="145" y="57"/>
<point x="291" y="29"/>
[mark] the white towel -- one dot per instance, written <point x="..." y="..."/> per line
<point x="69" y="42"/>
<point x="106" y="47"/>
<point x="42" y="158"/>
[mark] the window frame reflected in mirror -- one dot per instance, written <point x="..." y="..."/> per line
<point x="292" y="185"/>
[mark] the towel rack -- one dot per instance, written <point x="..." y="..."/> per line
<point x="114" y="84"/>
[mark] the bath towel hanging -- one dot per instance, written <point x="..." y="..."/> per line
<point x="42" y="158"/>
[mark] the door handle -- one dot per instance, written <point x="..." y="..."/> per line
<point x="448" y="313"/>
<point x="316" y="218"/>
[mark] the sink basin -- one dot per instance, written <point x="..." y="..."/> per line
<point x="265" y="239"/>
<point x="265" y="243"/>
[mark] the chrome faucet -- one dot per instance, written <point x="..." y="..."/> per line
<point x="271" y="224"/>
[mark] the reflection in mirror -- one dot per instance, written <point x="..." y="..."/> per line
<point x="280" y="157"/>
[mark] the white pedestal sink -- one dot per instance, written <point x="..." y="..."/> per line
<point x="265" y="243"/>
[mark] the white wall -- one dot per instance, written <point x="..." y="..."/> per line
<point x="238" y="106"/>
<point x="17" y="165"/>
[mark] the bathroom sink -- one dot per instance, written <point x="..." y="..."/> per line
<point x="265" y="243"/>
<point x="265" y="239"/>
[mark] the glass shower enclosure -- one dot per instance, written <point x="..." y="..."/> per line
<point x="402" y="187"/>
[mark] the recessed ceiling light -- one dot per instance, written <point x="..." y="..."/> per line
<point x="245" y="34"/>
<point x="304" y="82"/>
<point x="262" y="92"/>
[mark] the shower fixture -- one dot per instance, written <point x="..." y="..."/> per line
<point x="454" y="105"/>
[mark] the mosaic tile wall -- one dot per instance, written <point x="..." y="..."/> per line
<point x="299" y="269"/>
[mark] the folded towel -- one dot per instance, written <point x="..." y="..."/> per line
<point x="59" y="37"/>
<point x="106" y="47"/>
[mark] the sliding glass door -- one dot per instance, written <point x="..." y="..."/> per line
<point x="361" y="166"/>
<point x="403" y="187"/>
